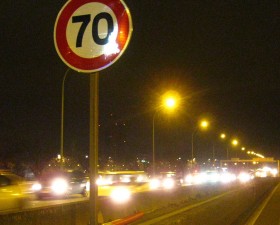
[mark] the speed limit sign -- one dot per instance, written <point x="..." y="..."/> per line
<point x="90" y="35"/>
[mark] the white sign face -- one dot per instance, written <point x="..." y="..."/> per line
<point x="95" y="31"/>
<point x="90" y="35"/>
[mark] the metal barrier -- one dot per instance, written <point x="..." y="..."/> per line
<point x="67" y="214"/>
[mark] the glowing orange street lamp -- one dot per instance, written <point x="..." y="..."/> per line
<point x="223" y="137"/>
<point x="203" y="124"/>
<point x="234" y="142"/>
<point x="169" y="101"/>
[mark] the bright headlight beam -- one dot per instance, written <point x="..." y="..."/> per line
<point x="120" y="195"/>
<point x="168" y="183"/>
<point x="59" y="186"/>
<point x="244" y="177"/>
<point x="36" y="187"/>
<point x="154" y="184"/>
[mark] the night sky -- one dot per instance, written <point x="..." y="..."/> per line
<point x="221" y="56"/>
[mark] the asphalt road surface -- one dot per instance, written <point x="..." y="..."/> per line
<point x="249" y="205"/>
<point x="269" y="211"/>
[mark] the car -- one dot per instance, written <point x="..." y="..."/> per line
<point x="120" y="184"/>
<point x="15" y="191"/>
<point x="62" y="184"/>
<point x="122" y="177"/>
<point x="166" y="180"/>
<point x="174" y="176"/>
<point x="194" y="178"/>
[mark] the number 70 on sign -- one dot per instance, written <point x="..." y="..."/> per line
<point x="91" y="35"/>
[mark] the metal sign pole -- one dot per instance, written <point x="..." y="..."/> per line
<point x="62" y="118"/>
<point x="93" y="147"/>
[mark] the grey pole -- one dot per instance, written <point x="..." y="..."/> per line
<point x="93" y="148"/>
<point x="154" y="143"/>
<point x="62" y="117"/>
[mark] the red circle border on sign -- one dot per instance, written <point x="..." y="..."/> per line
<point x="77" y="62"/>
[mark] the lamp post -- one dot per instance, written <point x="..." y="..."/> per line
<point x="192" y="144"/>
<point x="169" y="101"/>
<point x="62" y="118"/>
<point x="234" y="143"/>
<point x="223" y="137"/>
<point x="203" y="124"/>
<point x="154" y="143"/>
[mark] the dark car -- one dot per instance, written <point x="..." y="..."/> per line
<point x="62" y="184"/>
<point x="172" y="175"/>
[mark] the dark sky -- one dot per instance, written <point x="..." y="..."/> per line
<point x="221" y="56"/>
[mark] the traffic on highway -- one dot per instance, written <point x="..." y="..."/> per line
<point x="18" y="193"/>
<point x="139" y="112"/>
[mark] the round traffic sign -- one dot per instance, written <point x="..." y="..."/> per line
<point x="91" y="35"/>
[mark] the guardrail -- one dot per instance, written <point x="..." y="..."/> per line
<point x="66" y="214"/>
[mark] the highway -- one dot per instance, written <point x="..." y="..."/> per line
<point x="51" y="202"/>
<point x="247" y="205"/>
<point x="252" y="203"/>
<point x="103" y="192"/>
<point x="268" y="210"/>
<point x="225" y="208"/>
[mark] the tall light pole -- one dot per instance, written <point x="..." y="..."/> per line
<point x="234" y="143"/>
<point x="192" y="144"/>
<point x="203" y="124"/>
<point x="62" y="118"/>
<point x="169" y="101"/>
<point x="154" y="143"/>
<point x="223" y="136"/>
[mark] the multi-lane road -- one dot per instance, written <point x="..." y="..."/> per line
<point x="254" y="203"/>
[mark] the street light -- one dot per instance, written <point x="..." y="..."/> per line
<point x="223" y="137"/>
<point x="255" y="154"/>
<point x="234" y="142"/>
<point x="203" y="125"/>
<point x="169" y="101"/>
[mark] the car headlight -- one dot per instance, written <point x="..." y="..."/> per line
<point x="140" y="179"/>
<point x="244" y="177"/>
<point x="59" y="186"/>
<point x="274" y="172"/>
<point x="36" y="187"/>
<point x="154" y="184"/>
<point x="189" y="179"/>
<point x="214" y="177"/>
<point x="103" y="182"/>
<point x="120" y="194"/>
<point x="168" y="183"/>
<point x="227" y="177"/>
<point x="87" y="186"/>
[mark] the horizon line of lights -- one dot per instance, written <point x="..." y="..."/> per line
<point x="235" y="142"/>
<point x="256" y="154"/>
